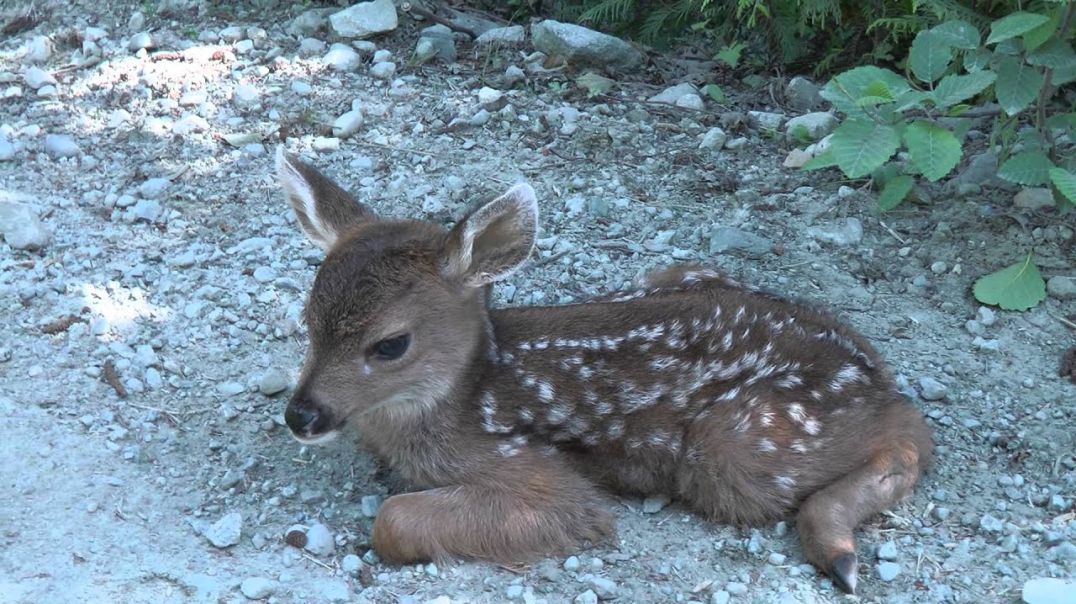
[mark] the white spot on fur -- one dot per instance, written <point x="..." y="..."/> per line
<point x="545" y="391"/>
<point x="785" y="483"/>
<point x="812" y="426"/>
<point x="766" y="445"/>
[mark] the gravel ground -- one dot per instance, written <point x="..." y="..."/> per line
<point x="150" y="304"/>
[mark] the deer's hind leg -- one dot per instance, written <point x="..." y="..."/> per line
<point x="828" y="517"/>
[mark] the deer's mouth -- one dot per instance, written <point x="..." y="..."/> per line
<point x="317" y="439"/>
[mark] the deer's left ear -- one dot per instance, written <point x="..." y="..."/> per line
<point x="494" y="240"/>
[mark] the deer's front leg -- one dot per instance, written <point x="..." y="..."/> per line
<point x="515" y="511"/>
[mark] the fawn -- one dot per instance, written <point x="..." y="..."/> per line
<point x="741" y="404"/>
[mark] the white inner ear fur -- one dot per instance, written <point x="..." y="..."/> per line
<point x="297" y="188"/>
<point x="519" y="202"/>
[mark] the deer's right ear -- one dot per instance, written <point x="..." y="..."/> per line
<point x="322" y="207"/>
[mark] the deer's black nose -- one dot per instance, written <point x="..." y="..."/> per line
<point x="305" y="418"/>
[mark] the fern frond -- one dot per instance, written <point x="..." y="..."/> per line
<point x="608" y="12"/>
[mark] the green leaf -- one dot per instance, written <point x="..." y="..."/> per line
<point x="846" y="88"/>
<point x="1065" y="182"/>
<point x="894" y="192"/>
<point x="1055" y="53"/>
<point x="594" y="84"/>
<point x="930" y="56"/>
<point x="912" y="99"/>
<point x="1013" y="25"/>
<point x="1038" y="36"/>
<point x="1064" y="75"/>
<point x="978" y="60"/>
<point x="1016" y="287"/>
<point x="730" y="54"/>
<point x="824" y="159"/>
<point x="1017" y="85"/>
<point x="1029" y="168"/>
<point x="860" y="146"/>
<point x="953" y="89"/>
<point x="958" y="34"/>
<point x="933" y="150"/>
<point x="1062" y="121"/>
<point x="715" y="92"/>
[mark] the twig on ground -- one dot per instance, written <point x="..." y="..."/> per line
<point x="422" y="11"/>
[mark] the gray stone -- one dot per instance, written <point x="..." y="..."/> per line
<point x="273" y="382"/>
<point x="803" y="94"/>
<point x="61" y="145"/>
<point x="348" y="124"/>
<point x="1061" y="552"/>
<point x="765" y="120"/>
<point x="424" y="50"/>
<point x="578" y="44"/>
<point x="887" y="571"/>
<point x="146" y="209"/>
<point x="193" y="98"/>
<point x="226" y="388"/>
<point x="370" y="504"/>
<point x="777" y="558"/>
<point x="1035" y="198"/>
<point x="311" y="47"/>
<point x="38" y="50"/>
<point x="981" y="170"/>
<point x="1048" y="590"/>
<point x="513" y="34"/>
<point x="189" y="124"/>
<point x="442" y="41"/>
<point x="308" y="23"/>
<point x="670" y="95"/>
<point x="728" y="239"/>
<point x="383" y="55"/>
<point x="153" y="188"/>
<point x="243" y="47"/>
<point x="653" y="505"/>
<point x="35" y="78"/>
<point x="226" y="531"/>
<point x="691" y="101"/>
<point x="991" y="524"/>
<point x="20" y="226"/>
<point x="319" y="540"/>
<point x="887" y="551"/>
<point x="987" y="316"/>
<point x="847" y="233"/>
<point x="587" y="597"/>
<point x="1061" y="287"/>
<point x="385" y="70"/>
<point x="7" y="150"/>
<point x="736" y="588"/>
<point x="720" y="597"/>
<point x="365" y="19"/>
<point x="513" y="74"/>
<point x="140" y="41"/>
<point x="302" y="88"/>
<point x="258" y="588"/>
<point x="342" y="57"/>
<point x="514" y="592"/>
<point x="815" y="125"/>
<point x="713" y="139"/>
<point x="351" y="564"/>
<point x="231" y="34"/>
<point x="931" y="389"/>
<point x="334" y="591"/>
<point x="605" y="588"/>
<point x="246" y="95"/>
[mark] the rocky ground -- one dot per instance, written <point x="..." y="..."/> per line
<point x="151" y="280"/>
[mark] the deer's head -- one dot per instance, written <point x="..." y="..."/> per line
<point x="397" y="312"/>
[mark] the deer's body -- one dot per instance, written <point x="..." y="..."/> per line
<point x="741" y="404"/>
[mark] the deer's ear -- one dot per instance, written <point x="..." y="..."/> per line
<point x="494" y="240"/>
<point x="322" y="207"/>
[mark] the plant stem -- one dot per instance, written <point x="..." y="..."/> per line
<point x="1046" y="91"/>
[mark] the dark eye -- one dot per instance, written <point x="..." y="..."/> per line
<point x="392" y="348"/>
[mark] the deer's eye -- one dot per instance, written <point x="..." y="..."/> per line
<point x="392" y="348"/>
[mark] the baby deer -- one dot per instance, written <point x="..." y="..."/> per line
<point x="741" y="404"/>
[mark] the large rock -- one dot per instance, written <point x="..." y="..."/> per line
<point x="365" y="19"/>
<point x="815" y="125"/>
<point x="578" y="44"/>
<point x="20" y="226"/>
<point x="1048" y="590"/>
<point x="440" y="41"/>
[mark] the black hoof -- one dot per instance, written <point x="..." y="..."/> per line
<point x="844" y="572"/>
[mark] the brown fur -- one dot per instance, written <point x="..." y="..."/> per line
<point x="742" y="404"/>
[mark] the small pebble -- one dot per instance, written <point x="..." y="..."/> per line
<point x="370" y="505"/>
<point x="385" y="70"/>
<point x="571" y="564"/>
<point x="257" y="588"/>
<point x="735" y="588"/>
<point x="887" y="571"/>
<point x="273" y="382"/>
<point x="720" y="597"/>
<point x="319" y="540"/>
<point x="931" y="389"/>
<point x="226" y="531"/>
<point x="887" y="551"/>
<point x="653" y="505"/>
<point x="61" y="145"/>
<point x="587" y="597"/>
<point x="605" y="588"/>
<point x="351" y="564"/>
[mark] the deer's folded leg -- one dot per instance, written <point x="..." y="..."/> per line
<point x="519" y="509"/>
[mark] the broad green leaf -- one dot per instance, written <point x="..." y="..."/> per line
<point x="1062" y="121"/>
<point x="1064" y="75"/>
<point x="958" y="34"/>
<point x="1029" y="168"/>
<point x="1055" y="53"/>
<point x="730" y="54"/>
<point x="1016" y="287"/>
<point x="1065" y="182"/>
<point x="1011" y="47"/>
<point x="929" y="56"/>
<point x="824" y="159"/>
<point x="594" y="84"/>
<point x="953" y="88"/>
<point x="860" y="146"/>
<point x="1013" y="25"/>
<point x="933" y="150"/>
<point x="1038" y="36"/>
<point x="878" y="89"/>
<point x="715" y="92"/>
<point x="978" y="60"/>
<point x="894" y="192"/>
<point x="844" y="89"/>
<point x="1017" y="85"/>
<point x="873" y="101"/>
<point x="911" y="99"/>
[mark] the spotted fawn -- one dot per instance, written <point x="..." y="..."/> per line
<point x="509" y="422"/>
